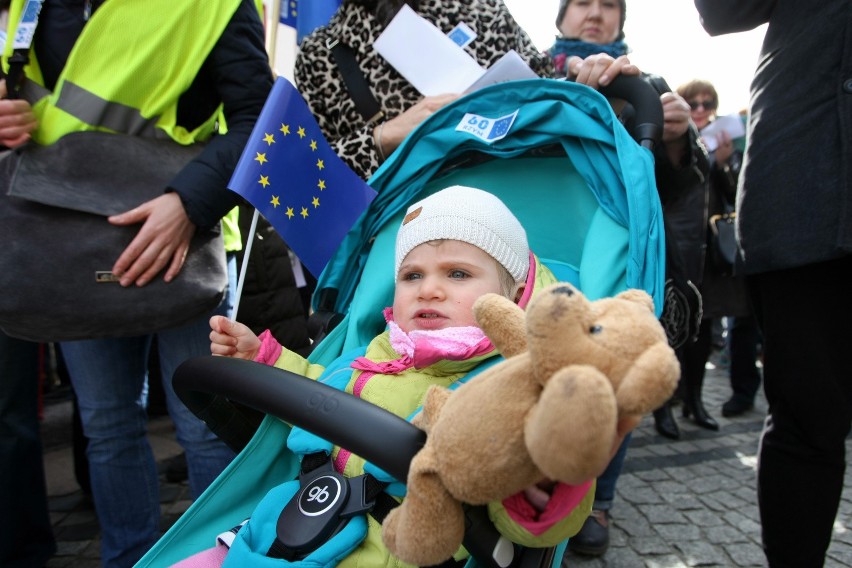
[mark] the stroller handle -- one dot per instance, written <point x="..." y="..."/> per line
<point x="316" y="407"/>
<point x="646" y="103"/>
<point x="209" y="386"/>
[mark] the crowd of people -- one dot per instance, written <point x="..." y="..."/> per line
<point x="773" y="295"/>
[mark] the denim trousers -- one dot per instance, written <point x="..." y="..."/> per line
<point x="744" y="338"/>
<point x="605" y="487"/>
<point x="26" y="537"/>
<point x="109" y="377"/>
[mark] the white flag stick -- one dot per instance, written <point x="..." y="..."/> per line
<point x="246" y="254"/>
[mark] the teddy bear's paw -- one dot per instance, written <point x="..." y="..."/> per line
<point x="570" y="430"/>
<point x="436" y="397"/>
<point x="650" y="382"/>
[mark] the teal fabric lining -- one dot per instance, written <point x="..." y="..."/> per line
<point x="615" y="171"/>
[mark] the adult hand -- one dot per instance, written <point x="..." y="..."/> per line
<point x="675" y="116"/>
<point x="675" y="124"/>
<point x="162" y="241"/>
<point x="600" y="69"/>
<point x="232" y="339"/>
<point x="396" y="129"/>
<point x="17" y="120"/>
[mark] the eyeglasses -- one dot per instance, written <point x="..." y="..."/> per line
<point x="708" y="105"/>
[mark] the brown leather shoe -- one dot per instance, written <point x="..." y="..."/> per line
<point x="593" y="538"/>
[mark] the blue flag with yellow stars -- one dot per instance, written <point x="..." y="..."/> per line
<point x="297" y="182"/>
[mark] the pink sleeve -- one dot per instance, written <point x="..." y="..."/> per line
<point x="563" y="501"/>
<point x="270" y="349"/>
<point x="210" y="558"/>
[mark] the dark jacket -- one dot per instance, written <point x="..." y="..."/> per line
<point x="723" y="289"/>
<point x="236" y="73"/>
<point x="795" y="197"/>
<point x="684" y="194"/>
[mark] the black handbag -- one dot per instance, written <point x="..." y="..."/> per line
<point x="683" y="307"/>
<point x="723" y="239"/>
<point x="57" y="249"/>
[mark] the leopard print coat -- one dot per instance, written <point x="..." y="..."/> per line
<point x="320" y="82"/>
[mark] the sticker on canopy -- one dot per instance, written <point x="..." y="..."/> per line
<point x="462" y="35"/>
<point x="487" y="129"/>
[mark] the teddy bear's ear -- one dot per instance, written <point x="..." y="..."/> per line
<point x="638" y="296"/>
<point x="503" y="322"/>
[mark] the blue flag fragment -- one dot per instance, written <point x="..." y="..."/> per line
<point x="297" y="182"/>
<point x="307" y="15"/>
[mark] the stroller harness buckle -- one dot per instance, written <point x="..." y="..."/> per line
<point x="320" y="509"/>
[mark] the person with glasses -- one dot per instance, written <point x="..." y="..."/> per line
<point x="590" y="49"/>
<point x="723" y="288"/>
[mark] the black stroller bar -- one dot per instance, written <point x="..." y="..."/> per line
<point x="213" y="388"/>
<point x="318" y="408"/>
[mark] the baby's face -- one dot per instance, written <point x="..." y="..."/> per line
<point x="438" y="283"/>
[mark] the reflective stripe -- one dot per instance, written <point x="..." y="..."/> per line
<point x="32" y="92"/>
<point x="92" y="109"/>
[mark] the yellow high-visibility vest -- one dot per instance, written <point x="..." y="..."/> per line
<point x="127" y="71"/>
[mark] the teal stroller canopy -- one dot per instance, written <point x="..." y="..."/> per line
<point x="556" y="154"/>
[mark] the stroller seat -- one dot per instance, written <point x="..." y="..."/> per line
<point x="577" y="181"/>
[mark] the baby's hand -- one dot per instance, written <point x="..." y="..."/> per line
<point x="539" y="494"/>
<point x="232" y="339"/>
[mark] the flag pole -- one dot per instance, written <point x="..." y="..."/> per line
<point x="246" y="254"/>
<point x="271" y="38"/>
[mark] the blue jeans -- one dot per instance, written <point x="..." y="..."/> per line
<point x="605" y="488"/>
<point x="110" y="377"/>
<point x="26" y="538"/>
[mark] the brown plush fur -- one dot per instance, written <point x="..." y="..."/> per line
<point x="549" y="411"/>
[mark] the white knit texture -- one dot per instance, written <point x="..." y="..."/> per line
<point x="470" y="215"/>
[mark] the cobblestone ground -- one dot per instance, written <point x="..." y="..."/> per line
<point x="693" y="502"/>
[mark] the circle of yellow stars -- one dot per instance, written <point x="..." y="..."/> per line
<point x="275" y="201"/>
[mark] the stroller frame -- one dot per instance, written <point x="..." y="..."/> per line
<point x="621" y="199"/>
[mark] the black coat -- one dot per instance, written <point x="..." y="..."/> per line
<point x="690" y="193"/>
<point x="795" y="196"/>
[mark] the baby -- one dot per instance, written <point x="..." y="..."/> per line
<point x="451" y="248"/>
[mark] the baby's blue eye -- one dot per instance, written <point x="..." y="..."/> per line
<point x="595" y="329"/>
<point x="458" y="274"/>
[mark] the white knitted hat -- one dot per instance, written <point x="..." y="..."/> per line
<point x="470" y="215"/>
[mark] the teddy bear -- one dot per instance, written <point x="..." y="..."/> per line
<point x="548" y="411"/>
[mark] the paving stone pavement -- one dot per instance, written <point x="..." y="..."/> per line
<point x="684" y="503"/>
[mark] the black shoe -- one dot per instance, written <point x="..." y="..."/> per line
<point x="735" y="407"/>
<point x="699" y="415"/>
<point x="593" y="538"/>
<point x="665" y="423"/>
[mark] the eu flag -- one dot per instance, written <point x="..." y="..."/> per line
<point x="307" y="15"/>
<point x="297" y="182"/>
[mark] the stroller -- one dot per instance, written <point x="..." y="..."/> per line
<point x="557" y="155"/>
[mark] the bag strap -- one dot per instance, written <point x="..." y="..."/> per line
<point x="355" y="81"/>
<point x="22" y="40"/>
